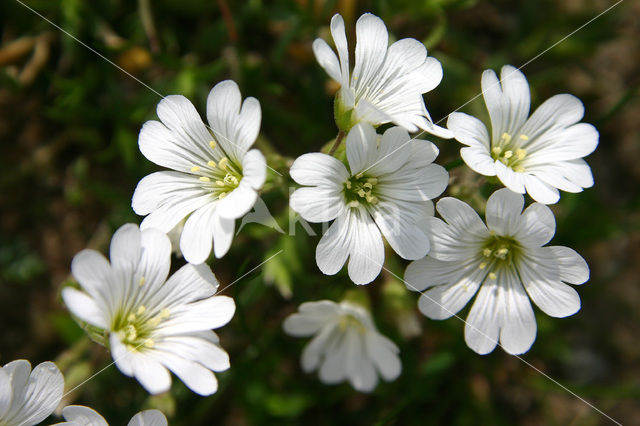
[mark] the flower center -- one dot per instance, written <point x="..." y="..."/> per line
<point x="348" y="321"/>
<point x="135" y="328"/>
<point x="498" y="252"/>
<point x="219" y="178"/>
<point x="360" y="189"/>
<point x="508" y="151"/>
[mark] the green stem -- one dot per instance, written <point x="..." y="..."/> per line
<point x="336" y="144"/>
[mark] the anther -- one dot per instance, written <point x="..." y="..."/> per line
<point x="353" y="203"/>
<point x="361" y="193"/>
<point x="359" y="176"/>
<point x="508" y="154"/>
<point x="222" y="195"/>
<point x="195" y="169"/>
<point x="368" y="185"/>
<point x="496" y="150"/>
<point x="141" y="310"/>
<point x="486" y="252"/>
<point x="521" y="153"/>
<point x="211" y="163"/>
<point x="482" y="265"/>
<point x="141" y="282"/>
<point x="506" y="137"/>
<point x="492" y="275"/>
<point x="149" y="343"/>
<point x="348" y="184"/>
<point x="524" y="137"/>
<point x="501" y="253"/>
<point x="204" y="179"/>
<point x="131" y="317"/>
<point x="212" y="144"/>
<point x="223" y="163"/>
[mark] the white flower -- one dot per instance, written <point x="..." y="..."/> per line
<point x="214" y="178"/>
<point x="154" y="323"/>
<point x="79" y="415"/>
<point x="505" y="260"/>
<point x="387" y="191"/>
<point x="346" y="346"/>
<point x="28" y="397"/>
<point x="538" y="154"/>
<point x="387" y="82"/>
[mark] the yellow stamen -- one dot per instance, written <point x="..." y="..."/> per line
<point x="508" y="154"/>
<point x="222" y="195"/>
<point x="204" y="179"/>
<point x="368" y="185"/>
<point x="501" y="253"/>
<point x="141" y="282"/>
<point x="141" y="310"/>
<point x="219" y="183"/>
<point x="195" y="169"/>
<point x="131" y="317"/>
<point x="359" y="176"/>
<point x="492" y="275"/>
<point x="348" y="184"/>
<point x="519" y="169"/>
<point x="372" y="181"/>
<point x="164" y="313"/>
<point x="211" y="163"/>
<point x="212" y="144"/>
<point x="482" y="265"/>
<point x="149" y="343"/>
<point x="496" y="150"/>
<point x="486" y="252"/>
<point x="361" y="192"/>
<point x="506" y="137"/>
<point x="521" y="153"/>
<point x="524" y="137"/>
<point x="223" y="163"/>
<point x="353" y="203"/>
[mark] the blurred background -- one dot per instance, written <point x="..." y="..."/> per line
<point x="69" y="163"/>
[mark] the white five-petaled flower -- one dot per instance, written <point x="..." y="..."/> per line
<point x="28" y="397"/>
<point x="505" y="263"/>
<point x="153" y="323"/>
<point x="538" y="154"/>
<point x="346" y="346"/>
<point x="387" y="82"/>
<point x="386" y="192"/>
<point x="215" y="176"/>
<point x="79" y="415"/>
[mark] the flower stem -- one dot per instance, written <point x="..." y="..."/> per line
<point x="336" y="144"/>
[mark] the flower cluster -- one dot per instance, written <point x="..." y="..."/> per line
<point x="379" y="188"/>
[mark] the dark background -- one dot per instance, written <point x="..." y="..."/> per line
<point x="69" y="163"/>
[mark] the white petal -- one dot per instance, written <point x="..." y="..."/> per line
<point x="6" y="393"/>
<point x="155" y="259"/>
<point x="318" y="169"/>
<point x="254" y="169"/>
<point x="79" y="415"/>
<point x="460" y="215"/>
<point x="428" y="272"/>
<point x="483" y="322"/>
<point x="160" y="188"/>
<point x="449" y="243"/>
<point x="565" y="144"/>
<point x="516" y="92"/>
<point x="384" y="354"/>
<point x="327" y="59"/>
<point x="312" y="317"/>
<point x="206" y="314"/>
<point x="41" y="395"/>
<point x="340" y="40"/>
<point x="540" y="191"/>
<point x="333" y="249"/>
<point x="124" y="251"/>
<point x="366" y="249"/>
<point x="556" y="112"/>
<point x="444" y="301"/>
<point x="515" y="181"/>
<point x="360" y="371"/>
<point x="554" y="298"/>
<point x="121" y="356"/>
<point x="84" y="307"/>
<point x="537" y="226"/>
<point x="196" y="377"/>
<point x="174" y="209"/>
<point x="394" y="151"/>
<point x="572" y="268"/>
<point x="238" y="202"/>
<point x="198" y="347"/>
<point x="478" y="160"/>
<point x="430" y="73"/>
<point x="398" y="224"/>
<point x="94" y="274"/>
<point x="503" y="212"/>
<point x="198" y="233"/>
<point x="371" y="48"/>
<point x="469" y="130"/>
<point x="190" y="283"/>
<point x="361" y="147"/>
<point x="313" y="353"/>
<point x="235" y="126"/>
<point x="317" y="204"/>
<point x="223" y="230"/>
<point x="151" y="374"/>
<point x="414" y="184"/>
<point x="518" y="327"/>
<point x="148" y="418"/>
<point x="334" y="367"/>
